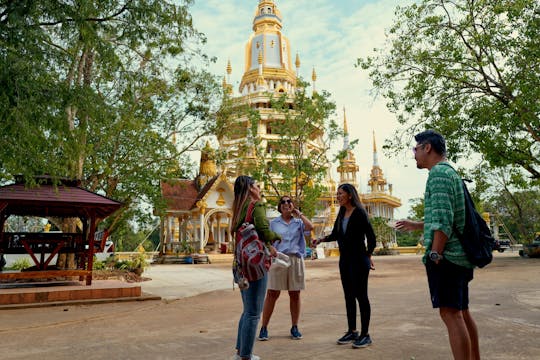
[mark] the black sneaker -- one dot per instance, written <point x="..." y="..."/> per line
<point x="362" y="342"/>
<point x="348" y="338"/>
<point x="295" y="334"/>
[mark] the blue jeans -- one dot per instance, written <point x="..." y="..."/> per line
<point x="253" y="300"/>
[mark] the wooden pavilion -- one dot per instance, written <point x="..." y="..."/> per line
<point x="64" y="200"/>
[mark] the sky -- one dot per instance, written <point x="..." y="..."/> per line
<point x="328" y="35"/>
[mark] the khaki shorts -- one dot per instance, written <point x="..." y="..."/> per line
<point x="291" y="278"/>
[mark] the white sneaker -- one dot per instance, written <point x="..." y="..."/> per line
<point x="253" y="357"/>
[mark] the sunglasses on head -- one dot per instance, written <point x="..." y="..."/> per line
<point x="285" y="201"/>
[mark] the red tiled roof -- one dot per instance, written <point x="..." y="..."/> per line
<point x="48" y="200"/>
<point x="180" y="195"/>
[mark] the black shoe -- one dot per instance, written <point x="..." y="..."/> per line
<point x="362" y="342"/>
<point x="348" y="338"/>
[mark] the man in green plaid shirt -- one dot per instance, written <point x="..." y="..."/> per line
<point x="448" y="270"/>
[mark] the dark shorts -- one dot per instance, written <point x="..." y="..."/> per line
<point x="448" y="284"/>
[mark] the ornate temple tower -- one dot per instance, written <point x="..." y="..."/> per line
<point x="268" y="65"/>
<point x="379" y="201"/>
<point x="269" y="71"/>
<point x="347" y="168"/>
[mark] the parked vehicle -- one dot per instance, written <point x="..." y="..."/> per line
<point x="501" y="245"/>
<point x="532" y="249"/>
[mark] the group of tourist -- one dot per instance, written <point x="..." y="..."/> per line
<point x="448" y="270"/>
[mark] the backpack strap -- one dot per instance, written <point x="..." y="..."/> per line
<point x="249" y="213"/>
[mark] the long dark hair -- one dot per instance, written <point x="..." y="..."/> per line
<point x="241" y="195"/>
<point x="355" y="199"/>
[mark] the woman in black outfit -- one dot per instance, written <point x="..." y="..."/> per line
<point x="352" y="226"/>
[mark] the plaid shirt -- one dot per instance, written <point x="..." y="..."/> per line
<point x="444" y="210"/>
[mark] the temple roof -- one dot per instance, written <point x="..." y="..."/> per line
<point x="183" y="194"/>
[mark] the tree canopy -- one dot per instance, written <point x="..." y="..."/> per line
<point x="295" y="162"/>
<point x="111" y="92"/>
<point x="469" y="69"/>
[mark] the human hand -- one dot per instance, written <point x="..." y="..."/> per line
<point x="273" y="251"/>
<point x="371" y="265"/>
<point x="407" y="225"/>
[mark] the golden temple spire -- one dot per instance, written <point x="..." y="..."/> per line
<point x="375" y="158"/>
<point x="261" y="83"/>
<point x="297" y="63"/>
<point x="229" y="71"/>
<point x="347" y="166"/>
<point x="377" y="182"/>
<point x="345" y="128"/>
<point x="314" y="78"/>
<point x="229" y="67"/>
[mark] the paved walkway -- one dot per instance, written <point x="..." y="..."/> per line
<point x="197" y="318"/>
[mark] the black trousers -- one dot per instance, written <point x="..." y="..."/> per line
<point x="354" y="279"/>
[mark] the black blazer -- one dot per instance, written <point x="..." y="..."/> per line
<point x="351" y="243"/>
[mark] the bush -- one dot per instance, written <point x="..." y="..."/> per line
<point x="137" y="264"/>
<point x="20" y="264"/>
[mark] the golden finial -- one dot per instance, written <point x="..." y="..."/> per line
<point x="229" y="68"/>
<point x="313" y="75"/>
<point x="374" y="144"/>
<point x="260" y="58"/>
<point x="224" y="83"/>
<point x="297" y="62"/>
<point x="345" y="129"/>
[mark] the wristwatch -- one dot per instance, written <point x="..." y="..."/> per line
<point x="435" y="256"/>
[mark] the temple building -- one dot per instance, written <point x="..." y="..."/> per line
<point x="199" y="210"/>
<point x="268" y="73"/>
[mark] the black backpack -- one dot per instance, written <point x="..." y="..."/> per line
<point x="476" y="239"/>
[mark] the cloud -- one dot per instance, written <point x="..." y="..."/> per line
<point x="328" y="35"/>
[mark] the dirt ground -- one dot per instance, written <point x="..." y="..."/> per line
<point x="505" y="302"/>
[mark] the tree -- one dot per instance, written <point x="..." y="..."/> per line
<point x="416" y="212"/>
<point x="103" y="92"/>
<point x="384" y="233"/>
<point x="294" y="162"/>
<point x="470" y="70"/>
<point x="518" y="207"/>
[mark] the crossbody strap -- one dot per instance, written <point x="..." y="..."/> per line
<point x="249" y="213"/>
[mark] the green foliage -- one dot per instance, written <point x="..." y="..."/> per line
<point x="295" y="163"/>
<point x="416" y="211"/>
<point x="98" y="91"/>
<point x="408" y="238"/>
<point x="384" y="233"/>
<point x="519" y="211"/>
<point x="19" y="264"/>
<point x="99" y="265"/>
<point x="135" y="264"/>
<point x="470" y="70"/>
